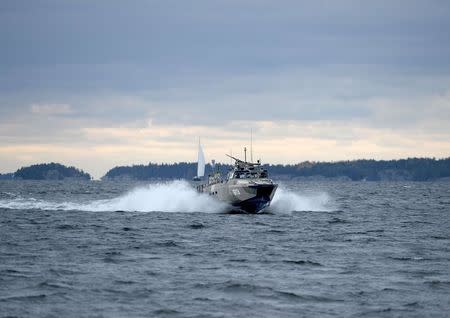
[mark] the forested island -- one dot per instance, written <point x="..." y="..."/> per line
<point x="181" y="170"/>
<point x="49" y="171"/>
<point x="411" y="169"/>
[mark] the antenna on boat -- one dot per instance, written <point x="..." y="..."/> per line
<point x="251" y="144"/>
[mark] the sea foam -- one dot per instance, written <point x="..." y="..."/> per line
<point x="173" y="196"/>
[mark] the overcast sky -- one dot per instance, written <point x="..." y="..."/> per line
<point x="102" y="83"/>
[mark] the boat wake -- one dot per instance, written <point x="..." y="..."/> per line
<point x="174" y="196"/>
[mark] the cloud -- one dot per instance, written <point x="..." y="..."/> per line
<point x="148" y="45"/>
<point x="329" y="102"/>
<point x="51" y="109"/>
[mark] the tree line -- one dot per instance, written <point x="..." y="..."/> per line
<point x="181" y="170"/>
<point x="413" y="169"/>
<point x="50" y="171"/>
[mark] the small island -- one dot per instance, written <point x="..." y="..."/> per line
<point x="51" y="171"/>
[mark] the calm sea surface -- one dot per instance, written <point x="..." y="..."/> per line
<point x="98" y="249"/>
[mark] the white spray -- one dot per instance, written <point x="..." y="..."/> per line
<point x="286" y="201"/>
<point x="174" y="196"/>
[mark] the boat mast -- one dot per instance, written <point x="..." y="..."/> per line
<point x="251" y="144"/>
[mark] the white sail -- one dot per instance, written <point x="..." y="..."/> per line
<point x="200" y="162"/>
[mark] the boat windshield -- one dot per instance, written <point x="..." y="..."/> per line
<point x="247" y="174"/>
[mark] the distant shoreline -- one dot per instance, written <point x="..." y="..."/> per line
<point x="411" y="169"/>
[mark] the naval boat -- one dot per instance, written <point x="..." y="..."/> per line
<point x="246" y="188"/>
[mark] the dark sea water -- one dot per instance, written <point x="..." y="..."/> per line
<point x="325" y="249"/>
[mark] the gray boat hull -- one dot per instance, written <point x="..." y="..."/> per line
<point x="249" y="196"/>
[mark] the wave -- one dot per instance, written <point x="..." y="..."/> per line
<point x="286" y="201"/>
<point x="174" y="196"/>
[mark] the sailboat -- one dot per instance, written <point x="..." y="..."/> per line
<point x="200" y="164"/>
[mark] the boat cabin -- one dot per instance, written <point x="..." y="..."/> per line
<point x="244" y="170"/>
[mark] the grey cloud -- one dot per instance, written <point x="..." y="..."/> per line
<point x="218" y="62"/>
<point x="89" y="45"/>
<point x="323" y="93"/>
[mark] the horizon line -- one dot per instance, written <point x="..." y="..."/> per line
<point x="222" y="163"/>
